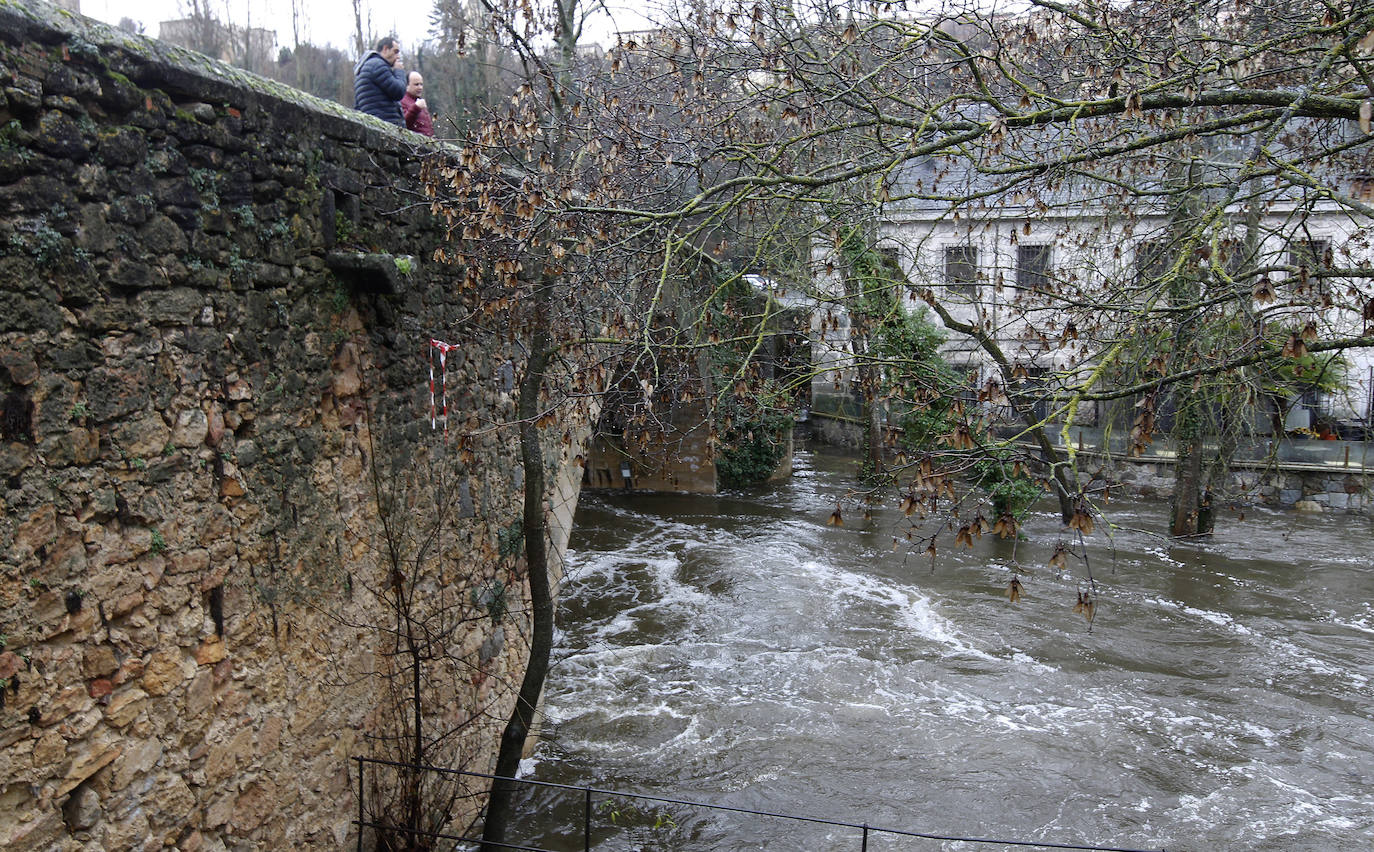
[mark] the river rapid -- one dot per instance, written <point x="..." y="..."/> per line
<point x="737" y="650"/>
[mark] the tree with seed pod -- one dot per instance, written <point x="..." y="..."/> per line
<point x="1056" y="133"/>
<point x="1058" y="146"/>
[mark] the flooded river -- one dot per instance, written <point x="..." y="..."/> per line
<point x="737" y="650"/>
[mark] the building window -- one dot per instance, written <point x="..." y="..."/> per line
<point x="961" y="269"/>
<point x="1308" y="258"/>
<point x="1033" y="267"/>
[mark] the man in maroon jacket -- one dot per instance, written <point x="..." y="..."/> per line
<point x="413" y="105"/>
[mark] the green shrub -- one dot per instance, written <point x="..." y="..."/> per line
<point x="752" y="446"/>
<point x="1012" y="492"/>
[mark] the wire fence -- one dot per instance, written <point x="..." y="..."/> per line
<point x="602" y="812"/>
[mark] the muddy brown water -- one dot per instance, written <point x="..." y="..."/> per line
<point x="737" y="650"/>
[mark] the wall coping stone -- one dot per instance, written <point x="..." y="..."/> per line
<point x="158" y="64"/>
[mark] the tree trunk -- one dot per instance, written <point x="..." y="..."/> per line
<point x="1187" y="501"/>
<point x="873" y="416"/>
<point x="500" y="807"/>
<point x="1065" y="488"/>
<point x="1061" y="478"/>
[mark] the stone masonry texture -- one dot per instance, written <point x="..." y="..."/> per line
<point x="216" y="456"/>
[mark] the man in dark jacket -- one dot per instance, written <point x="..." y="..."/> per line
<point x="379" y="82"/>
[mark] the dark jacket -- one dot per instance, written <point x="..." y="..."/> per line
<point x="377" y="88"/>
<point x="417" y="119"/>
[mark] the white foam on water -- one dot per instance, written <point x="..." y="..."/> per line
<point x="1220" y="619"/>
<point x="1294" y="657"/>
<point x="1023" y="660"/>
<point x="907" y="607"/>
<point x="763" y="641"/>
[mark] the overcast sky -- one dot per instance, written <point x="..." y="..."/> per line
<point x="323" y="21"/>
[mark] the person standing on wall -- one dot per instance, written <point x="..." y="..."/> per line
<point x="413" y="105"/>
<point x="379" y="82"/>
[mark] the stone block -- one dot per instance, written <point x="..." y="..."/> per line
<point x="176" y="801"/>
<point x="200" y="694"/>
<point x="191" y="428"/>
<point x="76" y="447"/>
<point x="43" y="831"/>
<point x="18" y="360"/>
<point x="10" y="664"/>
<point x="220" y="811"/>
<point x="82" y="811"/>
<point x="38" y="530"/>
<point x="130" y="670"/>
<point x="50" y="749"/>
<point x="125" y="706"/>
<point x="253" y="806"/>
<point x="71" y="700"/>
<point x="114" y="393"/>
<point x="98" y="661"/>
<point x="269" y="736"/>
<point x="144" y="437"/>
<point x="88" y="759"/>
<point x="138" y="760"/>
<point x="192" y="561"/>
<point x="129" y="832"/>
<point x="231" y="484"/>
<point x="164" y="672"/>
<point x="78" y="725"/>
<point x="222" y="761"/>
<point x="211" y="651"/>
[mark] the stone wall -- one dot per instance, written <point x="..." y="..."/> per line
<point x="216" y="458"/>
<point x="1306" y="488"/>
<point x="677" y="457"/>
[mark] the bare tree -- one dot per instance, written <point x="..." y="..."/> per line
<point x="1059" y="127"/>
<point x="746" y="135"/>
<point x="362" y="36"/>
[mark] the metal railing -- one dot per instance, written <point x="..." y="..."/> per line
<point x="863" y="831"/>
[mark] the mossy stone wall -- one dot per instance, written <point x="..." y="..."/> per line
<point x="199" y="406"/>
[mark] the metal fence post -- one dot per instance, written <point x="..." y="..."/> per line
<point x="865" y="845"/>
<point x="587" y="820"/>
<point x="360" y="804"/>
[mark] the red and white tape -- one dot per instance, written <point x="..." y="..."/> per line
<point x="443" y="350"/>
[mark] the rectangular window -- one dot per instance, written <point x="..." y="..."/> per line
<point x="961" y="269"/>
<point x="1033" y="267"/>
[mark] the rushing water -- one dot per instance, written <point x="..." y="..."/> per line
<point x="739" y="651"/>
